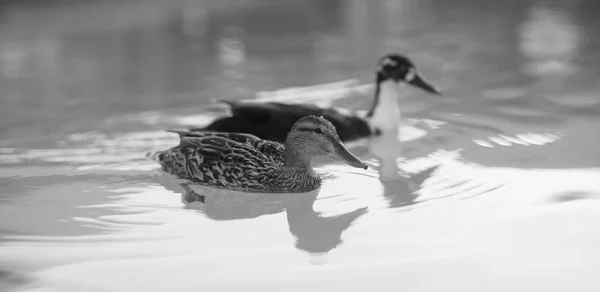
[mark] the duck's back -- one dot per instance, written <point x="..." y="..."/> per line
<point x="222" y="162"/>
<point x="273" y="120"/>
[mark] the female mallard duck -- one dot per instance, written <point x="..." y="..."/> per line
<point x="272" y="120"/>
<point x="246" y="163"/>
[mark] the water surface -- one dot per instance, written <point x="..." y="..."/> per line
<point x="492" y="187"/>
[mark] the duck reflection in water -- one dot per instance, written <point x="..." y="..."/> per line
<point x="314" y="233"/>
<point x="399" y="188"/>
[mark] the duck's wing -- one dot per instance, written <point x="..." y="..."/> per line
<point x="272" y="150"/>
<point x="239" y="137"/>
<point x="221" y="158"/>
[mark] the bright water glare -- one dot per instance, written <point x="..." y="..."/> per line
<point x="494" y="186"/>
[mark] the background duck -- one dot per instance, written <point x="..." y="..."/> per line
<point x="272" y="120"/>
<point x="247" y="163"/>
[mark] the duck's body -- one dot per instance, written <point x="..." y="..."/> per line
<point x="272" y="120"/>
<point x="247" y="163"/>
<point x="236" y="162"/>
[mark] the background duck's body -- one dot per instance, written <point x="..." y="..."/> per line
<point x="272" y="120"/>
<point x="247" y="163"/>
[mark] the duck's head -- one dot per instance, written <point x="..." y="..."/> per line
<point x="313" y="136"/>
<point x="393" y="70"/>
<point x="400" y="69"/>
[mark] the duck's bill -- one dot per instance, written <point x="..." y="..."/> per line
<point x="341" y="153"/>
<point x="419" y="82"/>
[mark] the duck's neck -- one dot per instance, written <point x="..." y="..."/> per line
<point x="296" y="173"/>
<point x="292" y="159"/>
<point x="384" y="114"/>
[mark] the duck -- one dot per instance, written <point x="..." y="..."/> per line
<point x="244" y="162"/>
<point x="271" y="120"/>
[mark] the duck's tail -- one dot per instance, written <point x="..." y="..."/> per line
<point x="192" y="133"/>
<point x="181" y="132"/>
<point x="230" y="103"/>
<point x="156" y="156"/>
<point x="224" y="107"/>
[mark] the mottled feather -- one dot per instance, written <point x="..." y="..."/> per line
<point x="234" y="161"/>
<point x="247" y="163"/>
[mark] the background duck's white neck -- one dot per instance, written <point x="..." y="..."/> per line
<point x="385" y="115"/>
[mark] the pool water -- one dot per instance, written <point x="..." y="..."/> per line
<point x="495" y="186"/>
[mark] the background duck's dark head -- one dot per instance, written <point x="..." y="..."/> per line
<point x="399" y="68"/>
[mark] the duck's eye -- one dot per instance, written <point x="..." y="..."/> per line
<point x="318" y="131"/>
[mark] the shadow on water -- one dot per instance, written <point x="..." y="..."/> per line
<point x="314" y="233"/>
<point x="407" y="182"/>
<point x="398" y="188"/>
